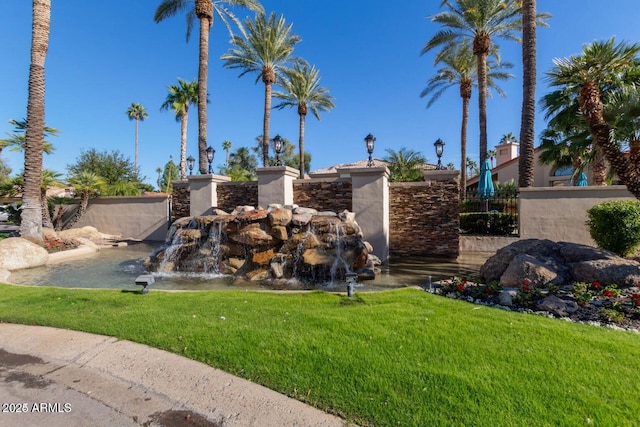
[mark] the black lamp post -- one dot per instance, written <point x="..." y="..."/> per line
<point x="439" y="144"/>
<point x="210" y="153"/>
<point x="370" y="140"/>
<point x="277" y="145"/>
<point x="190" y="162"/>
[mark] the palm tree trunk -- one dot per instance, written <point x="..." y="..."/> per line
<point x="46" y="215"/>
<point x="135" y="163"/>
<point x="265" y="124"/>
<point x="301" y="145"/>
<point x="482" y="103"/>
<point x="31" y="216"/>
<point x="183" y="145"/>
<point x="205" y="14"/>
<point x="527" y="136"/>
<point x="82" y="209"/>
<point x="599" y="168"/>
<point x="463" y="147"/>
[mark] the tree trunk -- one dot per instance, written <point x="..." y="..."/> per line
<point x="463" y="146"/>
<point x="183" y="144"/>
<point x="598" y="168"/>
<point x="82" y="209"/>
<point x="527" y="135"/>
<point x="265" y="124"/>
<point x="31" y="216"/>
<point x="46" y="215"/>
<point x="206" y="20"/>
<point x="301" y="145"/>
<point x="135" y="163"/>
<point x="481" y="45"/>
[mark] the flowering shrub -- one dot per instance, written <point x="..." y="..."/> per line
<point x="52" y="244"/>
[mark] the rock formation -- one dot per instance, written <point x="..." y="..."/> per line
<point x="543" y="262"/>
<point x="277" y="244"/>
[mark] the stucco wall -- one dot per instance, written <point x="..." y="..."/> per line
<point x="560" y="213"/>
<point x="144" y="218"/>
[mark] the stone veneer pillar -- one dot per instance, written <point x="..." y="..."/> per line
<point x="275" y="185"/>
<point x="204" y="193"/>
<point x="370" y="203"/>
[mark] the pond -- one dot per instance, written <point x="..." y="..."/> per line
<point x="117" y="268"/>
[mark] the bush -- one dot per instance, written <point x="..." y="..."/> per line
<point x="615" y="226"/>
<point x="488" y="223"/>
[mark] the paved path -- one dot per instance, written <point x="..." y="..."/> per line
<point x="60" y="378"/>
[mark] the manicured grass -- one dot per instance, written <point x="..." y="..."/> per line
<point x="404" y="358"/>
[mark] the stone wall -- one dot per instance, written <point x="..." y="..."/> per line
<point x="323" y="194"/>
<point x="232" y="194"/>
<point x="424" y="218"/>
<point x="180" y="200"/>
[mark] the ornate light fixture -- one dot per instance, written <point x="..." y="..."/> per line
<point x="190" y="162"/>
<point x="439" y="144"/>
<point x="370" y="140"/>
<point x="210" y="153"/>
<point x="277" y="145"/>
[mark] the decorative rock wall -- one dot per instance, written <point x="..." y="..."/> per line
<point x="424" y="218"/>
<point x="232" y="194"/>
<point x="180" y="200"/>
<point x="323" y="194"/>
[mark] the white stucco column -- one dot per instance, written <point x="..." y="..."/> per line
<point x="370" y="203"/>
<point x="204" y="193"/>
<point x="275" y="185"/>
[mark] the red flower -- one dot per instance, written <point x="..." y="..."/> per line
<point x="607" y="293"/>
<point x="596" y="284"/>
<point x="460" y="287"/>
<point x="635" y="296"/>
<point x="488" y="290"/>
<point x="637" y="303"/>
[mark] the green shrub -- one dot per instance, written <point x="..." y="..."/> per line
<point x="615" y="226"/>
<point x="488" y="223"/>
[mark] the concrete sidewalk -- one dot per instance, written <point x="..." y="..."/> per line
<point x="57" y="377"/>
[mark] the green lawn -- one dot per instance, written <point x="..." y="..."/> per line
<point x="404" y="358"/>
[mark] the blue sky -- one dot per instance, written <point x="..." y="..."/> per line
<point x="105" y="55"/>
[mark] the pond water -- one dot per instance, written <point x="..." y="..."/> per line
<point x="117" y="268"/>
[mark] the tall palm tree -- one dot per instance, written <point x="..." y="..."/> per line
<point x="527" y="122"/>
<point x="31" y="215"/>
<point x="138" y="113"/>
<point x="477" y="21"/>
<point x="591" y="78"/>
<point x="265" y="50"/>
<point x="459" y="69"/>
<point x="179" y="98"/>
<point x="226" y="146"/>
<point x="17" y="140"/>
<point x="303" y="91"/>
<point x="204" y="10"/>
<point x="405" y="165"/>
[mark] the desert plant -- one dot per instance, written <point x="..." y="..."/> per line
<point x="615" y="226"/>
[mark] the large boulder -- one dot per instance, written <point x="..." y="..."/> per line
<point x="17" y="253"/>
<point x="543" y="262"/>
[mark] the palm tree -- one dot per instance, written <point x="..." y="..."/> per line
<point x="31" y="215"/>
<point x="477" y="22"/>
<point x="265" y="50"/>
<point x="591" y="78"/>
<point x="460" y="70"/>
<point x="17" y="140"/>
<point x="86" y="184"/>
<point x="138" y="113"/>
<point x="179" y="98"/>
<point x="527" y="135"/>
<point x="472" y="167"/>
<point x="226" y="146"/>
<point x="204" y="10"/>
<point x="405" y="165"/>
<point x="50" y="178"/>
<point x="566" y="149"/>
<point x="303" y="91"/>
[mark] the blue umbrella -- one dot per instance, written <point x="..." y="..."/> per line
<point x="485" y="183"/>
<point x="582" y="180"/>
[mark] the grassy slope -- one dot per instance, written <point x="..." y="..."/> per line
<point x="395" y="358"/>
